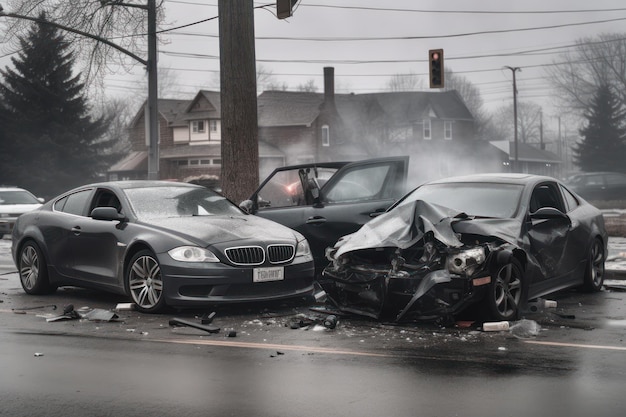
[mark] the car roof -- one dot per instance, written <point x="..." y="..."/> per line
<point x="12" y="189"/>
<point x="502" y="178"/>
<point x="141" y="184"/>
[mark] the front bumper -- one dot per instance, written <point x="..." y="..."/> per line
<point x="188" y="284"/>
<point x="428" y="296"/>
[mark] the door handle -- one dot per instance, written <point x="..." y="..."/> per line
<point x="316" y="220"/>
<point x="76" y="230"/>
<point x="377" y="212"/>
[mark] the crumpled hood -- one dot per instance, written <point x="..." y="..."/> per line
<point x="221" y="229"/>
<point x="405" y="225"/>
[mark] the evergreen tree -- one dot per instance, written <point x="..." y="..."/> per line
<point x="603" y="147"/>
<point x="50" y="142"/>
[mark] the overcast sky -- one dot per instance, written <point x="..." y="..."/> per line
<point x="355" y="35"/>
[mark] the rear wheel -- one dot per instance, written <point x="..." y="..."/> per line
<point x="33" y="270"/>
<point x="144" y="282"/>
<point x="505" y="291"/>
<point x="594" y="273"/>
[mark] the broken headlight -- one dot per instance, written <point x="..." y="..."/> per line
<point x="466" y="261"/>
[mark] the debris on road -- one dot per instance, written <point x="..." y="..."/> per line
<point x="496" y="326"/>
<point x="38" y="354"/>
<point x="180" y="322"/>
<point x="125" y="307"/>
<point x="17" y="309"/>
<point x="525" y="329"/>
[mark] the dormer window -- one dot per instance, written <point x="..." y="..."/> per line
<point x="325" y="135"/>
<point x="447" y="130"/>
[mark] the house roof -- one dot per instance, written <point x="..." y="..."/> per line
<point x="213" y="112"/>
<point x="135" y="161"/>
<point x="169" y="109"/>
<point x="288" y="108"/>
<point x="526" y="152"/>
<point x="215" y="150"/>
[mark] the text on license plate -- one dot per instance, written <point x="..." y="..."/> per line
<point x="268" y="274"/>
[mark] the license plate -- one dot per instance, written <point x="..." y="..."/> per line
<point x="268" y="274"/>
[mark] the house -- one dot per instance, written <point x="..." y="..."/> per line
<point x="531" y="159"/>
<point x="434" y="127"/>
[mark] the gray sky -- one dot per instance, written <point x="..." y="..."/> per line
<point x="318" y="35"/>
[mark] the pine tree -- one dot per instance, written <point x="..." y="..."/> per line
<point x="51" y="142"/>
<point x="603" y="147"/>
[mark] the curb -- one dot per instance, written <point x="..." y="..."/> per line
<point x="615" y="274"/>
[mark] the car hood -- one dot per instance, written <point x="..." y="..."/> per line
<point x="405" y="225"/>
<point x="221" y="229"/>
<point x="17" y="208"/>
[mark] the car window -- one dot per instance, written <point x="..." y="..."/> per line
<point x="106" y="198"/>
<point x="474" y="199"/>
<point x="17" y="197"/>
<point x="360" y="183"/>
<point x="73" y="203"/>
<point x="571" y="202"/>
<point x="615" y="179"/>
<point x="284" y="189"/>
<point x="545" y="195"/>
<point x="594" y="180"/>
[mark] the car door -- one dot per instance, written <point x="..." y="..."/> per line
<point x="324" y="209"/>
<point x="95" y="243"/>
<point x="558" y="243"/>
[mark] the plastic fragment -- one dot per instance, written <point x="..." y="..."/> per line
<point x="496" y="326"/>
<point x="524" y="329"/>
<point x="38" y="354"/>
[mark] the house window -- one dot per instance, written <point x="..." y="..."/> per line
<point x="447" y="130"/>
<point x="325" y="135"/>
<point x="427" y="129"/>
<point x="217" y="162"/>
<point x="197" y="126"/>
<point x="213" y="125"/>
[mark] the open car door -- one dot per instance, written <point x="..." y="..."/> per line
<point x="328" y="200"/>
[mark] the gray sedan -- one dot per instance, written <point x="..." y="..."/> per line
<point x="161" y="243"/>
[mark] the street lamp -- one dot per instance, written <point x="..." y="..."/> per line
<point x="514" y="70"/>
<point x="151" y="65"/>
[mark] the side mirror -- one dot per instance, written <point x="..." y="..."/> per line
<point x="546" y="213"/>
<point x="246" y="206"/>
<point x="107" y="214"/>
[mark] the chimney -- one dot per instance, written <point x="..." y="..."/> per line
<point x="329" y="84"/>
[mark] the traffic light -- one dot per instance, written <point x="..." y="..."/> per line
<point x="435" y="60"/>
<point x="284" y="8"/>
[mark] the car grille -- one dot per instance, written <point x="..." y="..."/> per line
<point x="280" y="253"/>
<point x="255" y="255"/>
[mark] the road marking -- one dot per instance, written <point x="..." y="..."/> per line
<point x="272" y="346"/>
<point x="575" y="345"/>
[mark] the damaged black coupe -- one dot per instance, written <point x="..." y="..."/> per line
<point x="493" y="241"/>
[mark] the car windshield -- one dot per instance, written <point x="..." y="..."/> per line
<point x="164" y="202"/>
<point x="474" y="199"/>
<point x="17" y="197"/>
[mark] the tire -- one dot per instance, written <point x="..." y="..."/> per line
<point x="506" y="292"/>
<point x="594" y="272"/>
<point x="33" y="270"/>
<point x="144" y="282"/>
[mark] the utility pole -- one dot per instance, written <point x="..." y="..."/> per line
<point x="516" y="163"/>
<point x="240" y="135"/>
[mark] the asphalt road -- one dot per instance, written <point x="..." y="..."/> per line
<point x="140" y="365"/>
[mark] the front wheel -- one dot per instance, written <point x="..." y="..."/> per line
<point x="144" y="282"/>
<point x="505" y="292"/>
<point x="33" y="270"/>
<point x="594" y="272"/>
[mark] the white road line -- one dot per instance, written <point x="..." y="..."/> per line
<point x="271" y="346"/>
<point x="575" y="345"/>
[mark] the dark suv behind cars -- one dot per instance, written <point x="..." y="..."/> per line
<point x="599" y="186"/>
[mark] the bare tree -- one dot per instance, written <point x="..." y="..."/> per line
<point x="528" y="122"/>
<point x="405" y="82"/>
<point x="308" y="87"/>
<point x="104" y="19"/>
<point x="593" y="62"/>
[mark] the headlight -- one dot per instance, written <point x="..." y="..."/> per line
<point x="192" y="254"/>
<point x="303" y="251"/>
<point x="466" y="262"/>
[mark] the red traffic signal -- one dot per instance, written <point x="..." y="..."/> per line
<point x="435" y="65"/>
<point x="284" y="8"/>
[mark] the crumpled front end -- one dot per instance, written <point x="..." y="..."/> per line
<point x="420" y="271"/>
